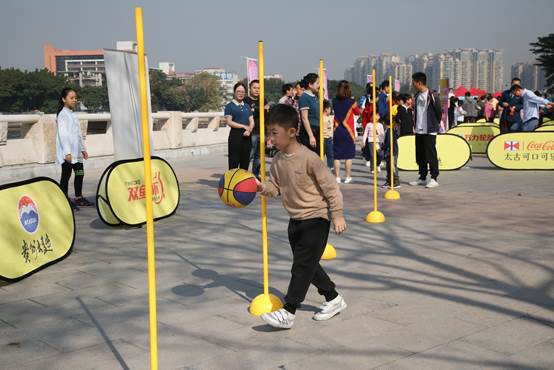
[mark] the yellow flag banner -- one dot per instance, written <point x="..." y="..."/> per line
<point x="453" y="152"/>
<point x="548" y="127"/>
<point x="478" y="136"/>
<point x="37" y="228"/>
<point x="523" y="151"/>
<point x="120" y="198"/>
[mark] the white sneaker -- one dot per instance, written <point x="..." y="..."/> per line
<point x="330" y="309"/>
<point x="348" y="180"/>
<point x="432" y="184"/>
<point x="378" y="169"/>
<point x="372" y="172"/>
<point x="368" y="164"/>
<point x="282" y="319"/>
<point x="338" y="180"/>
<point x="419" y="182"/>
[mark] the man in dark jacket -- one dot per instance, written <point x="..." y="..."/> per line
<point x="427" y="119"/>
<point x="511" y="109"/>
<point x="405" y="116"/>
<point x="470" y="106"/>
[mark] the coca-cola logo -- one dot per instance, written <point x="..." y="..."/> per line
<point x="538" y="145"/>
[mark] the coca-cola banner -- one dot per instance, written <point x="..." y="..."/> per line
<point x="120" y="198"/>
<point x="523" y="151"/>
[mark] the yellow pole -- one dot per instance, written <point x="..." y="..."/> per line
<point x="375" y="217"/>
<point x="148" y="191"/>
<point x="391" y="194"/>
<point x="261" y="74"/>
<point x="330" y="252"/>
<point x="263" y="303"/>
<point x="321" y="152"/>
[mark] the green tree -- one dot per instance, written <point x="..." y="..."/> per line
<point x="203" y="92"/>
<point x="95" y="98"/>
<point x="544" y="50"/>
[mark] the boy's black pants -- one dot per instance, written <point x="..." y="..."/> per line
<point x="308" y="239"/>
<point x="426" y="155"/>
<point x="239" y="148"/>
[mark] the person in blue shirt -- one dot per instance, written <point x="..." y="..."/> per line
<point x="531" y="105"/>
<point x="382" y="100"/>
<point x="238" y="116"/>
<point x="309" y="112"/>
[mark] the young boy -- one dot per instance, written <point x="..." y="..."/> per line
<point x="312" y="198"/>
<point x="328" y="127"/>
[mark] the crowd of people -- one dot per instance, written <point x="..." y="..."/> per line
<point x="348" y="122"/>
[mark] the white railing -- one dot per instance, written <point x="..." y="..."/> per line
<point x="31" y="138"/>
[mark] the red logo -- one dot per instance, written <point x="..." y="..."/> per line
<point x="547" y="145"/>
<point x="139" y="191"/>
<point x="511" y="146"/>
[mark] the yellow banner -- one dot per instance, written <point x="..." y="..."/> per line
<point x="37" y="227"/>
<point x="548" y="127"/>
<point x="478" y="136"/>
<point x="453" y="152"/>
<point x="523" y="151"/>
<point x="121" y="192"/>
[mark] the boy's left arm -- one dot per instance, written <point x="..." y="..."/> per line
<point x="331" y="192"/>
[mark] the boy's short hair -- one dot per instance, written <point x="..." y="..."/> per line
<point x="515" y="87"/>
<point x="326" y="104"/>
<point x="420" y="77"/>
<point x="285" y="89"/>
<point x="253" y="82"/>
<point x="283" y="115"/>
<point x="384" y="84"/>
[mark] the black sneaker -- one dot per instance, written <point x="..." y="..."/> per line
<point x="74" y="206"/>
<point x="83" y="202"/>
<point x="386" y="185"/>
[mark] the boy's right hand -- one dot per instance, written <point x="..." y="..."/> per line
<point x="339" y="225"/>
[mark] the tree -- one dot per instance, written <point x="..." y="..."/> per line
<point x="95" y="98"/>
<point x="202" y="93"/>
<point x="544" y="50"/>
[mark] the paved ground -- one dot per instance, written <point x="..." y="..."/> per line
<point x="459" y="277"/>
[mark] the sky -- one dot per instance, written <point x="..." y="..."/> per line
<point x="210" y="33"/>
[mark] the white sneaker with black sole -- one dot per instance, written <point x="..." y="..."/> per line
<point x="281" y="319"/>
<point x="330" y="309"/>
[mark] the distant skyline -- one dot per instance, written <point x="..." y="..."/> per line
<point x="297" y="33"/>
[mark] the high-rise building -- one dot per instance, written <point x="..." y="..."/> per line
<point x="85" y="67"/>
<point x="167" y="67"/>
<point x="469" y="67"/>
<point x="532" y="76"/>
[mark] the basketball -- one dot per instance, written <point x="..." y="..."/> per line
<point x="237" y="188"/>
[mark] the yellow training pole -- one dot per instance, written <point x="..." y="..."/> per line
<point x="263" y="303"/>
<point x="391" y="194"/>
<point x="148" y="191"/>
<point x="375" y="217"/>
<point x="330" y="252"/>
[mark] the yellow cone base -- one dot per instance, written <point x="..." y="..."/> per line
<point x="265" y="303"/>
<point x="375" y="217"/>
<point x="392" y="195"/>
<point x="330" y="252"/>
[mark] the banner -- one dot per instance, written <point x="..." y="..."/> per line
<point x="37" y="228"/>
<point x="121" y="193"/>
<point x="478" y="136"/>
<point x="251" y="69"/>
<point x="124" y="95"/>
<point x="453" y="152"/>
<point x="397" y="85"/>
<point x="522" y="151"/>
<point x="548" y="127"/>
<point x="369" y="78"/>
<point x="325" y="85"/>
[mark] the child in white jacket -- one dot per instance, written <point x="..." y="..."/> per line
<point x="368" y="139"/>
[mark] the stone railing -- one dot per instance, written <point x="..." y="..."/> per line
<point x="31" y="138"/>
